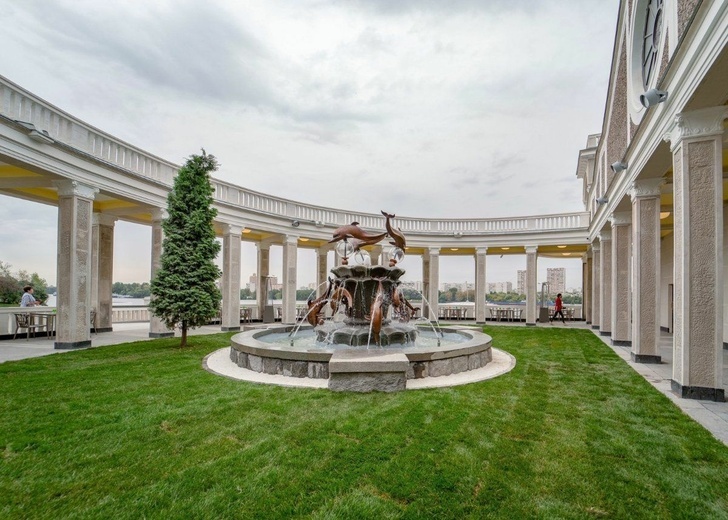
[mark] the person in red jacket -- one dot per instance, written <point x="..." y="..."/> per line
<point x="559" y="309"/>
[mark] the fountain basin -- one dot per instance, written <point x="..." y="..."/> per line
<point x="249" y="350"/>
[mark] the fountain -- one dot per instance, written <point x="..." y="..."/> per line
<point x="375" y="346"/>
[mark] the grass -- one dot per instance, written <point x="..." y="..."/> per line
<point x="141" y="430"/>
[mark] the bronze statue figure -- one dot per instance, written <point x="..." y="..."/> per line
<point x="397" y="237"/>
<point x="354" y="231"/>
<point x="316" y="305"/>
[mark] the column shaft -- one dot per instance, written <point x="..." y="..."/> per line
<point x="531" y="284"/>
<point x="595" y="279"/>
<point x="480" y="285"/>
<point x="621" y="244"/>
<point x="290" y="259"/>
<point x="102" y="269"/>
<point x="263" y="267"/>
<point x="433" y="294"/>
<point x="605" y="284"/>
<point x="231" y="277"/>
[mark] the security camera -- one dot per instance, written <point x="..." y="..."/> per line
<point x="618" y="167"/>
<point x="296" y="223"/>
<point x="602" y="200"/>
<point x="653" y="97"/>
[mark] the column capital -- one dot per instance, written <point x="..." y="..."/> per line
<point x="69" y="188"/>
<point x="704" y="122"/>
<point x="595" y="246"/>
<point x="481" y="251"/>
<point x="433" y="251"/>
<point x="621" y="218"/>
<point x="103" y="219"/>
<point x="646" y="188"/>
<point x="158" y="214"/>
<point x="605" y="235"/>
<point x="531" y="250"/>
<point x="231" y="229"/>
<point x="291" y="240"/>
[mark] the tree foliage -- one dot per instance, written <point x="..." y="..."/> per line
<point x="11" y="285"/>
<point x="184" y="290"/>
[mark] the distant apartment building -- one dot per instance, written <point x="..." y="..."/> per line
<point x="556" y="278"/>
<point x="446" y="286"/>
<point x="253" y="283"/>
<point x="500" y="287"/>
<point x="521" y="282"/>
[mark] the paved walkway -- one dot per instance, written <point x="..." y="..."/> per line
<point x="713" y="416"/>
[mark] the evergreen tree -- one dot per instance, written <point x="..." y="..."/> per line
<point x="184" y="289"/>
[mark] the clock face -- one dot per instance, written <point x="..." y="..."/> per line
<point x="651" y="41"/>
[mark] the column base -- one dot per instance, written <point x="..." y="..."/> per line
<point x="595" y="327"/>
<point x="161" y="334"/>
<point x="71" y="345"/>
<point x="588" y="322"/>
<point x="698" y="392"/>
<point x="230" y="329"/>
<point x="530" y="324"/>
<point x="605" y="333"/>
<point x="621" y="343"/>
<point x="103" y="329"/>
<point x="646" y="359"/>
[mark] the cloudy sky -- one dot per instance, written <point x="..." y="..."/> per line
<point x="457" y="108"/>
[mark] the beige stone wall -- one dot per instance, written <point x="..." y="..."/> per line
<point x="617" y="138"/>
<point x="667" y="267"/>
<point x="685" y="10"/>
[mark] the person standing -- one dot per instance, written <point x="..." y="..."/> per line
<point x="28" y="300"/>
<point x="558" y="309"/>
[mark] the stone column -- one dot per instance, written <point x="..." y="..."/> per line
<point x="322" y="271"/>
<point x="157" y="328"/>
<point x="434" y="278"/>
<point x="73" y="320"/>
<point x="376" y="255"/>
<point x="621" y="326"/>
<point x="480" y="285"/>
<point x="263" y="267"/>
<point x="595" y="292"/>
<point x="531" y="284"/>
<point x="425" y="284"/>
<point x="605" y="283"/>
<point x="697" y="148"/>
<point x="290" y="257"/>
<point x="586" y="287"/>
<point x="231" y="277"/>
<point x="102" y="270"/>
<point x="646" y="271"/>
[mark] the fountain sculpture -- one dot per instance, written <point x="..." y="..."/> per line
<point x="375" y="346"/>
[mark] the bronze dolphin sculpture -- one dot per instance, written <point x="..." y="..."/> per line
<point x="377" y="313"/>
<point x="354" y="231"/>
<point x="397" y="237"/>
<point x="315" y="306"/>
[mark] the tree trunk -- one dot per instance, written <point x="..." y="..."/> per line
<point x="183" y="343"/>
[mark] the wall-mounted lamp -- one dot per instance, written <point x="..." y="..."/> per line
<point x="246" y="230"/>
<point x="39" y="136"/>
<point x="561" y="247"/>
<point x="505" y="248"/>
<point x="664" y="215"/>
<point x="453" y="249"/>
<point x="458" y="234"/>
<point x="653" y="97"/>
<point x="602" y="200"/>
<point x="303" y="239"/>
<point x="618" y="167"/>
<point x="319" y="223"/>
<point x="296" y="223"/>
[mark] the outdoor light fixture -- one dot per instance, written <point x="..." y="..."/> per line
<point x="602" y="200"/>
<point x="39" y="136"/>
<point x="618" y="167"/>
<point x="246" y="230"/>
<point x="561" y="247"/>
<point x="653" y="97"/>
<point x="664" y="214"/>
<point x="505" y="248"/>
<point x="303" y="239"/>
<point x="296" y="223"/>
<point x="458" y="234"/>
<point x="566" y="254"/>
<point x="319" y="223"/>
<point x="453" y="249"/>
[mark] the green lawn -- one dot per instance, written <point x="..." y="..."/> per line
<point x="141" y="430"/>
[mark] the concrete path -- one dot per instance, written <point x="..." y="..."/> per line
<point x="713" y="416"/>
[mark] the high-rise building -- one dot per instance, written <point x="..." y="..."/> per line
<point x="500" y="287"/>
<point x="556" y="278"/>
<point x="521" y="282"/>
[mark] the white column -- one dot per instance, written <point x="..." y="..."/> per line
<point x="646" y="274"/>
<point x="605" y="283"/>
<point x="480" y="285"/>
<point x="586" y="287"/>
<point x="263" y="261"/>
<point x="290" y="256"/>
<point x="697" y="148"/>
<point x="102" y="270"/>
<point x="425" y="284"/>
<point x="231" y="277"/>
<point x="157" y="328"/>
<point x="322" y="270"/>
<point x="596" y="295"/>
<point x="531" y="284"/>
<point x="621" y="244"/>
<point x="434" y="278"/>
<point x="75" y="205"/>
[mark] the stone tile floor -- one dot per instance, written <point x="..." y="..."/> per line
<point x="713" y="416"/>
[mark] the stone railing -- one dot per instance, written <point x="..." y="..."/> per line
<point x="18" y="104"/>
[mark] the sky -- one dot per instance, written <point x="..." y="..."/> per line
<point x="425" y="108"/>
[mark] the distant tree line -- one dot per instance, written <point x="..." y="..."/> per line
<point x="11" y="285"/>
<point x="133" y="290"/>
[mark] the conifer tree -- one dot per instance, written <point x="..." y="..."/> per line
<point x="184" y="289"/>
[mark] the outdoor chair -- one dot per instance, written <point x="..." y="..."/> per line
<point x="25" y="321"/>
